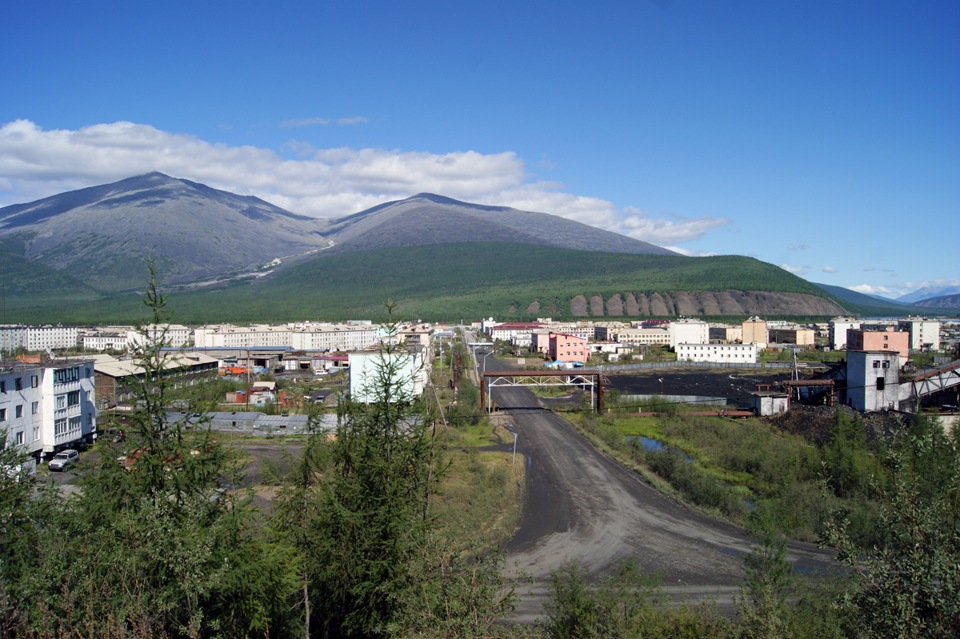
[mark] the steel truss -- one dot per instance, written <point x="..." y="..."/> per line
<point x="583" y="378"/>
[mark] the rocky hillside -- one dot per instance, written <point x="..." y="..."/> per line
<point x="697" y="303"/>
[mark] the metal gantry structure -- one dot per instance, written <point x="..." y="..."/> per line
<point x="582" y="378"/>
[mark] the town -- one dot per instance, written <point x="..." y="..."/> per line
<point x="49" y="403"/>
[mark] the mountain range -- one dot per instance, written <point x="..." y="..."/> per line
<point x="75" y="257"/>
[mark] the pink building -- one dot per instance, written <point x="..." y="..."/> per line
<point x="568" y="348"/>
<point x="890" y="340"/>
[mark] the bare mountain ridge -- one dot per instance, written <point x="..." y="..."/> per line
<point x="195" y="234"/>
<point x="433" y="219"/>
<point x="191" y="231"/>
<point x="943" y="301"/>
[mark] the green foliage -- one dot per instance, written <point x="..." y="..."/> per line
<point x="626" y="603"/>
<point x="763" y="611"/>
<point x="153" y="547"/>
<point x="359" y="514"/>
<point x="909" y="580"/>
<point x="477" y="280"/>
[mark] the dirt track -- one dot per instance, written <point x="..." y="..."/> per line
<point x="582" y="506"/>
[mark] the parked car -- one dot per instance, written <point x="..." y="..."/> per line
<point x="63" y="459"/>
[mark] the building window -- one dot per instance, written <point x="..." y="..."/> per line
<point x="3" y="386"/>
<point x="3" y="414"/>
<point x="34" y="381"/>
<point x="18" y="384"/>
<point x="20" y="438"/>
<point x="19" y="410"/>
<point x="34" y="408"/>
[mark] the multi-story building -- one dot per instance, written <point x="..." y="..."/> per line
<point x="307" y="336"/>
<point x="924" y="333"/>
<point x="228" y="336"/>
<point x="689" y="331"/>
<point x="568" y="348"/>
<point x="507" y="332"/>
<point x="859" y="339"/>
<point x="12" y="337"/>
<point x="873" y="379"/>
<point x="718" y="353"/>
<point x="838" y="331"/>
<point x="644" y="336"/>
<point x="37" y="338"/>
<point x="406" y="370"/>
<point x="105" y="339"/>
<point x="792" y="335"/>
<point x="755" y="332"/>
<point x="48" y="406"/>
<point x="334" y="337"/>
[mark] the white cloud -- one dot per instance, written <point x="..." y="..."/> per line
<point x="796" y="247"/>
<point x="796" y="270"/>
<point x="302" y="122"/>
<point x="677" y="228"/>
<point x="689" y="252"/>
<point x="357" y="119"/>
<point x="869" y="289"/>
<point x="829" y="269"/>
<point x="301" y="178"/>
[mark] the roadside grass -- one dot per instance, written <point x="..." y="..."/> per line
<point x="740" y="469"/>
<point x="481" y="497"/>
<point x="486" y="432"/>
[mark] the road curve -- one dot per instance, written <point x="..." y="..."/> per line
<point x="582" y="506"/>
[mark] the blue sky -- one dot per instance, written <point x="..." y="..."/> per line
<point x="823" y="137"/>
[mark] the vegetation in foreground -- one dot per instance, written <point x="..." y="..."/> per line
<point x="357" y="545"/>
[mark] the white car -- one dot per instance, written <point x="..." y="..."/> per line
<point x="63" y="459"/>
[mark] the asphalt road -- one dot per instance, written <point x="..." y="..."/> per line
<point x="584" y="507"/>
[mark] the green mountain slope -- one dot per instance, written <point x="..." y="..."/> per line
<point x="471" y="280"/>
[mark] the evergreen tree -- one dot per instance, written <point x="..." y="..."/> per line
<point x="154" y="547"/>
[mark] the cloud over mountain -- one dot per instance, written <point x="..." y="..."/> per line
<point x="332" y="182"/>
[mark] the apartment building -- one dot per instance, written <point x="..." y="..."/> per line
<point x="688" y="331"/>
<point x="407" y="369"/>
<point x="859" y="339"/>
<point x="924" y="333"/>
<point x="644" y="336"/>
<point x="717" y="353"/>
<point x="755" y="332"/>
<point x="37" y="338"/>
<point x="48" y="406"/>
<point x="838" y="331"/>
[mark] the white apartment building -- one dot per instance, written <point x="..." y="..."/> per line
<point x="12" y="337"/>
<point x="407" y="370"/>
<point x="838" y="331"/>
<point x="37" y="338"/>
<point x="107" y="339"/>
<point x="717" y="353"/>
<point x="688" y="331"/>
<point x="303" y="336"/>
<point x="47" y="407"/>
<point x="924" y="333"/>
<point x="333" y="337"/>
<point x="229" y="336"/>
